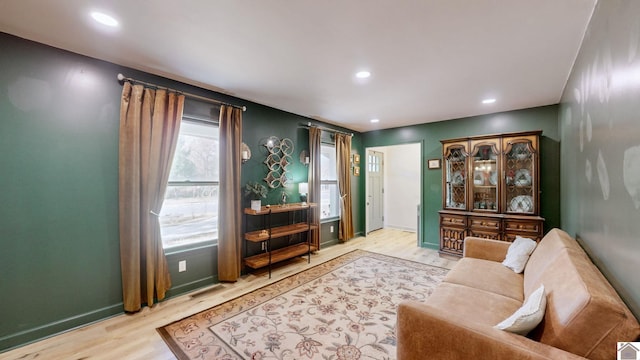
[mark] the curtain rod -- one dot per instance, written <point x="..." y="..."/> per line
<point x="308" y="125"/>
<point x="194" y="96"/>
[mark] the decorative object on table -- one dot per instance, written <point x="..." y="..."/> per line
<point x="255" y="192"/>
<point x="278" y="159"/>
<point x="245" y="153"/>
<point x="433" y="164"/>
<point x="283" y="198"/>
<point x="283" y="316"/>
<point x="303" y="189"/>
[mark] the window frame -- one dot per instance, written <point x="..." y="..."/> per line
<point x="329" y="182"/>
<point x="214" y="183"/>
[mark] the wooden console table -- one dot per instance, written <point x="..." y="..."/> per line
<point x="267" y="233"/>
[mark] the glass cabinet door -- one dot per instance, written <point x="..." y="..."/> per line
<point x="519" y="177"/>
<point x="455" y="161"/>
<point x="484" y="184"/>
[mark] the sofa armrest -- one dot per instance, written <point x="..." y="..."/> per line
<point x="425" y="332"/>
<point x="487" y="249"/>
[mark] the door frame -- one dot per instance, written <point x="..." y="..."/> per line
<point x="420" y="211"/>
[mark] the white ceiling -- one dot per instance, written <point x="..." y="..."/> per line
<point x="429" y="60"/>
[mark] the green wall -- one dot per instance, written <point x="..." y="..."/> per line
<point x="542" y="118"/>
<point x="59" y="121"/>
<point x="600" y="132"/>
<point x="59" y="254"/>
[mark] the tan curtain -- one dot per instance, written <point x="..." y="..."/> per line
<point x="343" y="160"/>
<point x="149" y="127"/>
<point x="314" y="181"/>
<point x="230" y="195"/>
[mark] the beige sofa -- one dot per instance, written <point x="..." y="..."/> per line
<point x="584" y="317"/>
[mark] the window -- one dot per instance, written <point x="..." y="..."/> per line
<point x="190" y="211"/>
<point x="329" y="195"/>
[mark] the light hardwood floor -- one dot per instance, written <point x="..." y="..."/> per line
<point x="135" y="336"/>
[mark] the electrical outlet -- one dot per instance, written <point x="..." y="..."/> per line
<point x="331" y="228"/>
<point x="182" y="265"/>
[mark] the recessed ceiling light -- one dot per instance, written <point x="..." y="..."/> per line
<point x="363" y="74"/>
<point x="373" y="121"/>
<point x="104" y="19"/>
<point x="488" y="101"/>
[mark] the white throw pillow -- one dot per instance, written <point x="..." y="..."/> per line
<point x="518" y="254"/>
<point x="528" y="316"/>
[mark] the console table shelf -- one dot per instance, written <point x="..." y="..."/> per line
<point x="274" y="209"/>
<point x="278" y="231"/>
<point x="288" y="252"/>
<point x="267" y="233"/>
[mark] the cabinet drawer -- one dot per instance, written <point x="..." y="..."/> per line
<point x="523" y="226"/>
<point x="493" y="235"/>
<point x="484" y="223"/>
<point x="511" y="236"/>
<point x="453" y="220"/>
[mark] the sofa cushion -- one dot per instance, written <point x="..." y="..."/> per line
<point x="547" y="250"/>
<point x="473" y="304"/>
<point x="584" y="314"/>
<point x="528" y="316"/>
<point x="487" y="275"/>
<point x="518" y="254"/>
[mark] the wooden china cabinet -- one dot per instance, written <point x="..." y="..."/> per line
<point x="490" y="189"/>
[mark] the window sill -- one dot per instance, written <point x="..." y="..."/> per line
<point x="191" y="247"/>
<point x="329" y="219"/>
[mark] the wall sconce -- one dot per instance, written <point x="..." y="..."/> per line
<point x="304" y="157"/>
<point x="245" y="153"/>
<point x="272" y="142"/>
<point x="303" y="189"/>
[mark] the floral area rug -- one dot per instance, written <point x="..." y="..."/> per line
<point x="343" y="309"/>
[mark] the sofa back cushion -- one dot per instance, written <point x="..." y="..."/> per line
<point x="547" y="251"/>
<point x="584" y="314"/>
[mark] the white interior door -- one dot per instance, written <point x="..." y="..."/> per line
<point x="375" y="190"/>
